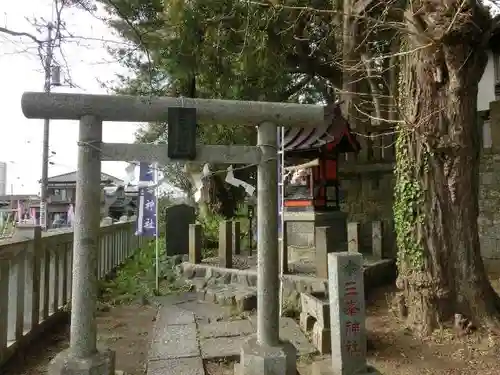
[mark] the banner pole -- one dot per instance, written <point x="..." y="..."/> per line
<point x="157" y="234"/>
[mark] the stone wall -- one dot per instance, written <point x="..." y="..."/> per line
<point x="489" y="205"/>
<point x="367" y="196"/>
<point x="300" y="235"/>
<point x="489" y="185"/>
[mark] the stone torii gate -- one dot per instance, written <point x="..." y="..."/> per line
<point x="262" y="355"/>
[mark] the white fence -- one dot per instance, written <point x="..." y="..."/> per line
<point x="35" y="278"/>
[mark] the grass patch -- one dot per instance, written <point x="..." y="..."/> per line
<point x="135" y="279"/>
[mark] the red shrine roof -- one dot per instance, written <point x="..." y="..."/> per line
<point x="335" y="134"/>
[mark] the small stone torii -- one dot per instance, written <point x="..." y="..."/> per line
<point x="262" y="355"/>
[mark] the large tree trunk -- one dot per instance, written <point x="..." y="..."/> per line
<point x="441" y="271"/>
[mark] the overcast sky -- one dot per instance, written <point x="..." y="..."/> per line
<point x="20" y="71"/>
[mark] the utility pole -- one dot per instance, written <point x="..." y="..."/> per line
<point x="46" y="131"/>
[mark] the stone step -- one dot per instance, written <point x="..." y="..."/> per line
<point x="241" y="297"/>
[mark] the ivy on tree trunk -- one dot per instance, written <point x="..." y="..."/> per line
<point x="441" y="271"/>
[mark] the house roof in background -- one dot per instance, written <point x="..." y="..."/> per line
<point x="19" y="197"/>
<point x="71" y="178"/>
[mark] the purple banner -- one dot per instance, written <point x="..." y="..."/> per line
<point x="280" y="176"/>
<point x="146" y="172"/>
<point x="146" y="218"/>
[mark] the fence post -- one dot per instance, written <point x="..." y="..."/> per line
<point x="225" y="244"/>
<point x="353" y="237"/>
<point x="236" y="237"/>
<point x="4" y="304"/>
<point x="195" y="243"/>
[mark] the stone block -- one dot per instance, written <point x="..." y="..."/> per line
<point x="178" y="218"/>
<point x="225" y="244"/>
<point x="212" y="291"/>
<point x="317" y="306"/>
<point x="246" y="301"/>
<point x="321" y="338"/>
<point x="377" y="244"/>
<point x="257" y="359"/>
<point x="324" y="245"/>
<point x="195" y="241"/>
<point x="101" y="363"/>
<point x="226" y="329"/>
<point x="227" y="348"/>
<point x="226" y="298"/>
<point x="291" y="332"/>
<point x="306" y="321"/>
<point x="347" y="312"/>
<point x="106" y="221"/>
<point x="353" y="237"/>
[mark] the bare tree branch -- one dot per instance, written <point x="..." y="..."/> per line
<point x="21" y="34"/>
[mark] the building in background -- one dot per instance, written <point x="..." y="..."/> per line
<point x="3" y="178"/>
<point x="116" y="198"/>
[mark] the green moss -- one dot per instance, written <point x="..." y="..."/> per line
<point x="408" y="192"/>
<point x="408" y="200"/>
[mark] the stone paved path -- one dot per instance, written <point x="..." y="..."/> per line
<point x="188" y="331"/>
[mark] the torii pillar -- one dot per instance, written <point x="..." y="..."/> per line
<point x="263" y="355"/>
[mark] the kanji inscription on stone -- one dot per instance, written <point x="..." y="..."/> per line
<point x="347" y="312"/>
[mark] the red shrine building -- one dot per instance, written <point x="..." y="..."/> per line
<point x="311" y="181"/>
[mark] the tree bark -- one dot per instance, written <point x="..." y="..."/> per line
<point x="441" y="271"/>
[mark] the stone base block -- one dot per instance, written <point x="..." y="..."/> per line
<point x="257" y="359"/>
<point x="324" y="367"/>
<point x="101" y="363"/>
<point x="306" y="322"/>
<point x="321" y="338"/>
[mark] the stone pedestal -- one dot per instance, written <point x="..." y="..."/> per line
<point x="315" y="316"/>
<point x="303" y="225"/>
<point x="321" y="338"/>
<point x="347" y="315"/>
<point x="101" y="363"/>
<point x="195" y="243"/>
<point x="257" y="359"/>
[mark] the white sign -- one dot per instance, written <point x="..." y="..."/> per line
<point x="43" y="215"/>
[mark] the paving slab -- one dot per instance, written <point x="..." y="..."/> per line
<point x="222" y="347"/>
<point x="173" y="315"/>
<point x="226" y="329"/>
<point x="176" y="366"/>
<point x="290" y="331"/>
<point x="206" y="312"/>
<point x="174" y="299"/>
<point x="242" y="297"/>
<point x="174" y="341"/>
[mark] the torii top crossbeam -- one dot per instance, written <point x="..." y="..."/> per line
<point x="123" y="108"/>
